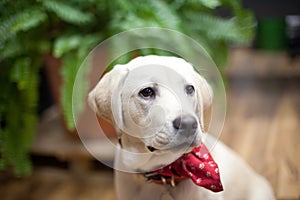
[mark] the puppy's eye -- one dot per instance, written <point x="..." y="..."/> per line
<point x="147" y="93"/>
<point x="189" y="89"/>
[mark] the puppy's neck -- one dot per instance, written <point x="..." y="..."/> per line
<point x="134" y="156"/>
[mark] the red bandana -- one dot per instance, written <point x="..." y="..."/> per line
<point x="197" y="165"/>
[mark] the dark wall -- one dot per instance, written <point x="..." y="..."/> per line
<point x="273" y="8"/>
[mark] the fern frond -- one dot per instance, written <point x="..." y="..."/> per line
<point x="20" y="73"/>
<point x="231" y="30"/>
<point x="66" y="43"/>
<point x="68" y="13"/>
<point x="140" y="14"/>
<point x="28" y="19"/>
<point x="211" y="4"/>
<point x="22" y="44"/>
<point x="70" y="67"/>
<point x="18" y="117"/>
<point x="72" y="61"/>
<point x="12" y="48"/>
<point x="22" y="21"/>
<point x="165" y="16"/>
<point x="89" y="42"/>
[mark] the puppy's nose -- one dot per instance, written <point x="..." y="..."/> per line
<point x="185" y="122"/>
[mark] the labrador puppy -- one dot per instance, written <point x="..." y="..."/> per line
<point x="160" y="108"/>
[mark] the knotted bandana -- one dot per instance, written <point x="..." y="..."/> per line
<point x="197" y="165"/>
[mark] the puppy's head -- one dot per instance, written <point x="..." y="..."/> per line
<point x="157" y="104"/>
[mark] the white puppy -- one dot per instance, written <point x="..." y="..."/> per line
<point x="161" y="110"/>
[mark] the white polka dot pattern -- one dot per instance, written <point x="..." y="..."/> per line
<point x="198" y="166"/>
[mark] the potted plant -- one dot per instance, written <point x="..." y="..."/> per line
<point x="37" y="31"/>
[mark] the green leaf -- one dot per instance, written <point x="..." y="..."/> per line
<point x="22" y="45"/>
<point x="72" y="59"/>
<point x="70" y="67"/>
<point x="19" y="113"/>
<point x="195" y="4"/>
<point x="66" y="43"/>
<point x="12" y="49"/>
<point x="28" y="20"/>
<point x="154" y="13"/>
<point x="68" y="13"/>
<point x="21" y="73"/>
<point x="164" y="15"/>
<point x="212" y="4"/>
<point x="23" y="21"/>
<point x="231" y="30"/>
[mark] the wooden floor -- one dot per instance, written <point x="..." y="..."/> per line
<point x="263" y="119"/>
<point x="262" y="125"/>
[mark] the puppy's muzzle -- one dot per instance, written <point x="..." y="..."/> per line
<point x="185" y="123"/>
<point x="185" y="127"/>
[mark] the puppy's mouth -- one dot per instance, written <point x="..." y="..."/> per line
<point x="175" y="149"/>
<point x="181" y="144"/>
<point x="152" y="149"/>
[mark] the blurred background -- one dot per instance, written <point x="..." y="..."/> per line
<point x="255" y="44"/>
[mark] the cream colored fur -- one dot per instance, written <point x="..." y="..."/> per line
<point x="142" y="122"/>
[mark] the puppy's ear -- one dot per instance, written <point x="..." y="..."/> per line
<point x="205" y="98"/>
<point x="105" y="98"/>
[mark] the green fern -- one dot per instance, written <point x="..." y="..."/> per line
<point x="18" y="117"/>
<point x="72" y="59"/>
<point x="165" y="17"/>
<point x="71" y="64"/>
<point x="68" y="13"/>
<point x="22" y="21"/>
<point x="211" y="4"/>
<point x="70" y="29"/>
<point x="65" y="44"/>
<point x="217" y="29"/>
<point x="28" y="19"/>
<point x="143" y="16"/>
<point x="214" y="32"/>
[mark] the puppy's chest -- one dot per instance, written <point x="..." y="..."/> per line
<point x="166" y="196"/>
<point x="153" y="191"/>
